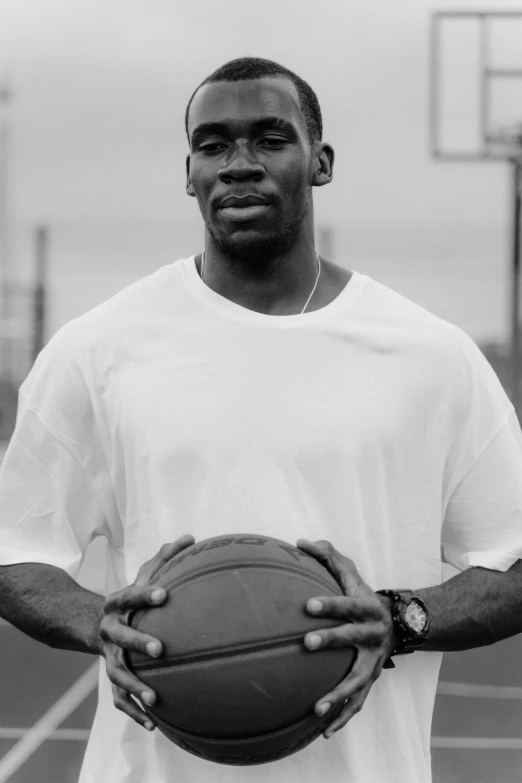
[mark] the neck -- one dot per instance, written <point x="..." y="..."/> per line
<point x="277" y="289"/>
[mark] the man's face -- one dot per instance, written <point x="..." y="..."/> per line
<point x="237" y="150"/>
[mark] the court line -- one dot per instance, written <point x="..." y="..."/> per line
<point x="46" y="728"/>
<point x="467" y="689"/>
<point x="451" y="743"/>
<point x="46" y="725"/>
<point x="477" y="743"/>
<point x="57" y="734"/>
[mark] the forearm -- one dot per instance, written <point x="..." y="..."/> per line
<point x="47" y="604"/>
<point x="475" y="608"/>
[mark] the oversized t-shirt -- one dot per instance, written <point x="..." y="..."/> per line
<point x="370" y="422"/>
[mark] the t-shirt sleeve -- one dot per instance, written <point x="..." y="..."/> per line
<point x="482" y="524"/>
<point x="55" y="489"/>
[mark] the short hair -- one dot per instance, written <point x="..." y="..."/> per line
<point x="257" y="68"/>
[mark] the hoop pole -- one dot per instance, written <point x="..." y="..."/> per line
<point x="434" y="88"/>
<point x="484" y="78"/>
<point x="515" y="337"/>
<point x="39" y="300"/>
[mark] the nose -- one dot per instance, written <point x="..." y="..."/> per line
<point x="242" y="164"/>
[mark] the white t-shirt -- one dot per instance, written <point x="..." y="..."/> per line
<point x="370" y="422"/>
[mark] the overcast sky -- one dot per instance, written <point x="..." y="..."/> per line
<point x="102" y="85"/>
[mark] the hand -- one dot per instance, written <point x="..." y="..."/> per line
<point x="368" y="627"/>
<point x="117" y="635"/>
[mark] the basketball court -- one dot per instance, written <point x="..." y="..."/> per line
<point x="49" y="700"/>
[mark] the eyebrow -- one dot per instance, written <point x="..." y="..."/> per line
<point x="223" y="127"/>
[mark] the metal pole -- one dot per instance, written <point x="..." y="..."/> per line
<point x="515" y="336"/>
<point x="434" y="88"/>
<point x="485" y="82"/>
<point x="6" y="359"/>
<point x="39" y="314"/>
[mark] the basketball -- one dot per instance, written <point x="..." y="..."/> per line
<point x="235" y="683"/>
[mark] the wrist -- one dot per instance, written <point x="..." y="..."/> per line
<point x="392" y="638"/>
<point x="94" y="641"/>
<point x="410" y="620"/>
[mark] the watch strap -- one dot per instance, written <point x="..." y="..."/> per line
<point x="405" y="643"/>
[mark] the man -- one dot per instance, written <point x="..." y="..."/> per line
<point x="258" y="385"/>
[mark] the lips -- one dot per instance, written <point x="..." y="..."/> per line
<point x="243" y="201"/>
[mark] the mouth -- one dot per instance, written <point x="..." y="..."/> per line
<point x="240" y="214"/>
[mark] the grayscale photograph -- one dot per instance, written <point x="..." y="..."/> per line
<point x="260" y="391"/>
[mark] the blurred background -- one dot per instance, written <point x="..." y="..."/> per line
<point x="92" y="198"/>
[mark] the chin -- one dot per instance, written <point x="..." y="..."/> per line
<point x="252" y="245"/>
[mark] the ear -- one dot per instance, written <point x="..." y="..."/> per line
<point x="190" y="189"/>
<point x="323" y="165"/>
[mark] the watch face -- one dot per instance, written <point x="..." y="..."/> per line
<point x="416" y="617"/>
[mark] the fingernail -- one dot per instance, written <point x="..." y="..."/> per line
<point x="314" y="605"/>
<point x="153" y="648"/>
<point x="158" y="595"/>
<point x="148" y="698"/>
<point x="149" y="726"/>
<point x="323" y="709"/>
<point x="313" y="641"/>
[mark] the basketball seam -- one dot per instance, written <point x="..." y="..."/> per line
<point x="234" y="742"/>
<point x="245" y="740"/>
<point x="249" y="564"/>
<point x="199" y="549"/>
<point x="223" y="652"/>
<point x="138" y="613"/>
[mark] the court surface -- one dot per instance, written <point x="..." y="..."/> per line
<point x="49" y="700"/>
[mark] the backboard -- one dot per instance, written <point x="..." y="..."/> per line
<point x="476" y="85"/>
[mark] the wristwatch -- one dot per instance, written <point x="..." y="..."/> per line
<point x="411" y="622"/>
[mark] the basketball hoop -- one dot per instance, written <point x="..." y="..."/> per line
<point x="497" y="134"/>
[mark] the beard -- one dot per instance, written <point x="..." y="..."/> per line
<point x="247" y="247"/>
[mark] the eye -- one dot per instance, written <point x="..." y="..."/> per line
<point x="209" y="147"/>
<point x="274" y="140"/>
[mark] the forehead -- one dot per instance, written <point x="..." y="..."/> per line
<point x="247" y="100"/>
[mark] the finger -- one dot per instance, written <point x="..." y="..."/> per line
<point x="129" y="639"/>
<point x="134" y="597"/>
<point x="366" y="669"/>
<point x="367" y="634"/>
<point x="364" y="608"/>
<point x="122" y="678"/>
<point x="352" y="707"/>
<point x="124" y="702"/>
<point x="341" y="567"/>
<point x="166" y="553"/>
